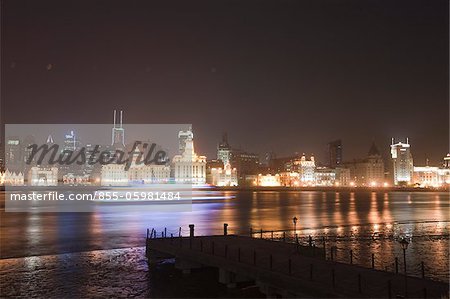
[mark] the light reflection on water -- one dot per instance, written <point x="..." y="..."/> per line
<point x="349" y="220"/>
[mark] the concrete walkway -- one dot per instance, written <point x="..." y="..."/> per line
<point x="288" y="270"/>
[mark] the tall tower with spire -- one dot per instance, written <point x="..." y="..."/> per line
<point x="118" y="132"/>
<point x="402" y="162"/>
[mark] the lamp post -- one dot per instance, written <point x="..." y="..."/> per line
<point x="294" y="220"/>
<point x="404" y="244"/>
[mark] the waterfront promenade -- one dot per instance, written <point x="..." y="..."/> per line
<point x="286" y="269"/>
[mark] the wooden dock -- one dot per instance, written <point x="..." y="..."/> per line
<point x="287" y="269"/>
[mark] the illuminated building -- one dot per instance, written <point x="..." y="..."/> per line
<point x="343" y="177"/>
<point x="13" y="154"/>
<point x="226" y="176"/>
<point x="11" y="178"/>
<point x="183" y="136"/>
<point x="325" y="176"/>
<point x="289" y="179"/>
<point x="367" y="172"/>
<point x="267" y="180"/>
<point x="446" y="161"/>
<point x="306" y="169"/>
<point x="429" y="176"/>
<point x="137" y="173"/>
<point x="118" y="132"/>
<point x="334" y="153"/>
<point x="188" y="167"/>
<point x="114" y="175"/>
<point x="29" y="140"/>
<point x="76" y="179"/>
<point x="402" y="162"/>
<point x="426" y="176"/>
<point x="444" y="176"/>
<point x="224" y="150"/>
<point x="43" y="176"/>
<point x="71" y="143"/>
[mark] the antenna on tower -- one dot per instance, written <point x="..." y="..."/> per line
<point x="392" y="142"/>
<point x="121" y="117"/>
<point x="407" y="140"/>
<point x="114" y="125"/>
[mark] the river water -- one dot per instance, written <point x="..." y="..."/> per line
<point x="101" y="252"/>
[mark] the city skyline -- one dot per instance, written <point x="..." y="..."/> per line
<point x="62" y="130"/>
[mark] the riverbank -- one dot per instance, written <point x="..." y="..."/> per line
<point x="328" y="189"/>
<point x="266" y="188"/>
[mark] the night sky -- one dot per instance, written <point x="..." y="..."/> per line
<point x="286" y="76"/>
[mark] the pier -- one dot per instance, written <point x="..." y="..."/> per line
<point x="283" y="269"/>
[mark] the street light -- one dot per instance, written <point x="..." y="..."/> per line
<point x="404" y="243"/>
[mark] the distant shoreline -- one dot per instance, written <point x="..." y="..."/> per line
<point x="334" y="189"/>
<point x="278" y="189"/>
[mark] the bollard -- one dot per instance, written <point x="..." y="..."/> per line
<point x="311" y="271"/>
<point x="270" y="262"/>
<point x="389" y="289"/>
<point x="226" y="251"/>
<point x="359" y="283"/>
<point x="423" y="269"/>
<point x="351" y="257"/>
<point x="191" y="230"/>
<point x="333" y="277"/>
<point x="254" y="257"/>
<point x="310" y="241"/>
<point x="179" y="232"/>
<point x="373" y="261"/>
<point x="165" y="232"/>
<point x="225" y="229"/>
<point x="396" y="265"/>
<point x="162" y="235"/>
<point x="290" y="267"/>
<point x="239" y="254"/>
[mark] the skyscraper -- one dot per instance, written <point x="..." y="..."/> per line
<point x="183" y="138"/>
<point x="118" y="132"/>
<point x="402" y="162"/>
<point x="447" y="161"/>
<point x="13" y="154"/>
<point x="224" y="150"/>
<point x="334" y="153"/>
